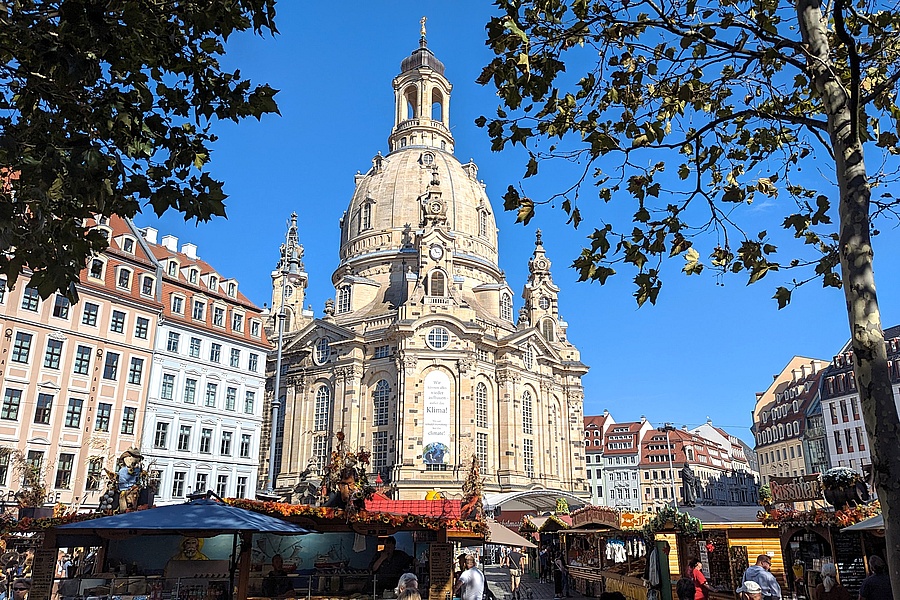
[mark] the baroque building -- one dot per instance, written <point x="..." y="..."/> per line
<point x="421" y="358"/>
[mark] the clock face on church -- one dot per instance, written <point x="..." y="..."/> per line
<point x="435" y="207"/>
<point x="436" y="252"/>
<point x="544" y="302"/>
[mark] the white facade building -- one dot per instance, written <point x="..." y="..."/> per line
<point x="204" y="410"/>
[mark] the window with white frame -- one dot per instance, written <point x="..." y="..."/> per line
<point x="529" y="357"/>
<point x="322" y="407"/>
<point x="481" y="450"/>
<point x="343" y="299"/>
<point x="528" y="457"/>
<point x="123" y="281"/>
<point x="527" y="415"/>
<point x="481" y="404"/>
<point x="379" y="449"/>
<point x="320" y="451"/>
<point x="506" y="307"/>
<point x="380" y="398"/>
<point x="323" y="351"/>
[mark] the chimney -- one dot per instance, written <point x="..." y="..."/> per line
<point x="643" y="419"/>
<point x="605" y="412"/>
<point x="170" y="242"/>
<point x="794" y="375"/>
<point x="803" y="369"/>
<point x="189" y="250"/>
<point x="149" y="234"/>
<point x="814" y="366"/>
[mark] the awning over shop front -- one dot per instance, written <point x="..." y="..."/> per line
<point x="504" y="536"/>
<point x="870" y="524"/>
<point x="531" y="500"/>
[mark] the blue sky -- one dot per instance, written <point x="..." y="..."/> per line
<point x="703" y="351"/>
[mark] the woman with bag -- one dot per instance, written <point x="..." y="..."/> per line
<point x="701" y="588"/>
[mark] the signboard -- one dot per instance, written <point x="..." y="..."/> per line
<point x="436" y="422"/>
<point x="635" y="520"/>
<point x="440" y="561"/>
<point x="596" y="515"/>
<point x="796" y="489"/>
<point x="42" y="571"/>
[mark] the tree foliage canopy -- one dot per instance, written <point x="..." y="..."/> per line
<point x="106" y="106"/>
<point x="691" y="110"/>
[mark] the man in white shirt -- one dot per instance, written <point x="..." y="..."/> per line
<point x="470" y="584"/>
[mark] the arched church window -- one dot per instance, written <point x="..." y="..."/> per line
<point x="343" y="301"/>
<point x="506" y="307"/>
<point x="437" y="284"/>
<point x="411" y="96"/>
<point x="443" y="145"/>
<point x="403" y="142"/>
<point x="527" y="414"/>
<point x="482" y="223"/>
<point x="380" y="398"/>
<point x="437" y="105"/>
<point x="323" y="351"/>
<point x="365" y="217"/>
<point x="547" y="329"/>
<point x="322" y="408"/>
<point x="481" y="401"/>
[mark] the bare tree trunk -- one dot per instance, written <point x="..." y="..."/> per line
<point x="866" y="335"/>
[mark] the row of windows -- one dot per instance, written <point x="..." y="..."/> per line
<point x="194" y="349"/>
<point x="193" y="276"/>
<point x="198" y="308"/>
<point x="848" y="438"/>
<point x="210" y="394"/>
<point x="124" y="277"/>
<point x="21" y="353"/>
<point x="201" y="484"/>
<point x="13" y="405"/>
<point x="184" y="440"/>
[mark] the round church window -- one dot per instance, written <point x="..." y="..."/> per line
<point x="438" y="338"/>
<point x="427" y="159"/>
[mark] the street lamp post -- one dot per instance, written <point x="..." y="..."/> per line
<point x="290" y="269"/>
<point x="667" y="428"/>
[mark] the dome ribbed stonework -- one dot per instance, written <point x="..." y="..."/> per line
<point x="393" y="192"/>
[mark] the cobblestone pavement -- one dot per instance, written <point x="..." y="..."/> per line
<point x="530" y="589"/>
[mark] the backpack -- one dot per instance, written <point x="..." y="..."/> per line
<point x="684" y="588"/>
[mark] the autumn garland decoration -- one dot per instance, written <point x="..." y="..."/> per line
<point x="284" y="510"/>
<point x="819" y="517"/>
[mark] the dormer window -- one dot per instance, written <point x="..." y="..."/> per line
<point x="172" y="268"/>
<point x="482" y="223"/>
<point x="124" y="279"/>
<point x="128" y="245"/>
<point x="103" y="220"/>
<point x="506" y="307"/>
<point x="343" y="300"/>
<point x="255" y="328"/>
<point x="365" y="217"/>
<point x="192" y="275"/>
<point x="232" y="289"/>
<point x="96" y="270"/>
<point x="213" y="282"/>
<point x="237" y="322"/>
<point x="147" y="285"/>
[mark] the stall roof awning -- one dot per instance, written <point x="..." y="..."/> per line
<point x="424" y="508"/>
<point x="876" y="522"/>
<point x="504" y="536"/>
<point x="537" y="500"/>
<point x="202" y="518"/>
<point x="547" y="524"/>
<point x="715" y="515"/>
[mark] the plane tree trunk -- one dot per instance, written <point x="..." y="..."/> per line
<point x="866" y="335"/>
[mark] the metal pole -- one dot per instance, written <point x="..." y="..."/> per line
<point x="671" y="467"/>
<point x="276" y="400"/>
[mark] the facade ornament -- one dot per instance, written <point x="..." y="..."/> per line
<point x="422" y="27"/>
<point x="329" y="307"/>
<point x="523" y="321"/>
<point x="464" y="364"/>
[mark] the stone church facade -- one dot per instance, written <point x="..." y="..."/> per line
<point x="420" y="358"/>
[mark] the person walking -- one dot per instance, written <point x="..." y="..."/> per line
<point x="560" y="577"/>
<point x="876" y="586"/>
<point x="516" y="563"/>
<point x="830" y="589"/>
<point x="544" y="564"/>
<point x="701" y="587"/>
<point x="761" y="575"/>
<point x="470" y="583"/>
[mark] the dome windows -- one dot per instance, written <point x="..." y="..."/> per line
<point x="365" y="217"/>
<point x="438" y="338"/>
<point x="506" y="312"/>
<point x="343" y="300"/>
<point x="428" y="159"/>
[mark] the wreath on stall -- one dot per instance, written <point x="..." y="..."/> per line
<point x="765" y="496"/>
<point x="669" y="516"/>
<point x="358" y="461"/>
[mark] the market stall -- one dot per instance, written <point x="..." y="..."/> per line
<point x="606" y="551"/>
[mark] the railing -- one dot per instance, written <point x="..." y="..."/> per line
<point x="410" y="123"/>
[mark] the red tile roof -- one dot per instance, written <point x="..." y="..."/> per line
<point x="425" y="508"/>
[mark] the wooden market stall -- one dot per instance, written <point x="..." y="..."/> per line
<point x="810" y="538"/>
<point x="607" y="552"/>
<point x="336" y="562"/>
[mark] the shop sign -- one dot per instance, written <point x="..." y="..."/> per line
<point x="596" y="515"/>
<point x="440" y="561"/>
<point x="436" y="422"/>
<point x="796" y="489"/>
<point x="42" y="571"/>
<point x="634" y="520"/>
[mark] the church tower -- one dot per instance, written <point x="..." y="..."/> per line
<point x="419" y="358"/>
<point x="289" y="282"/>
